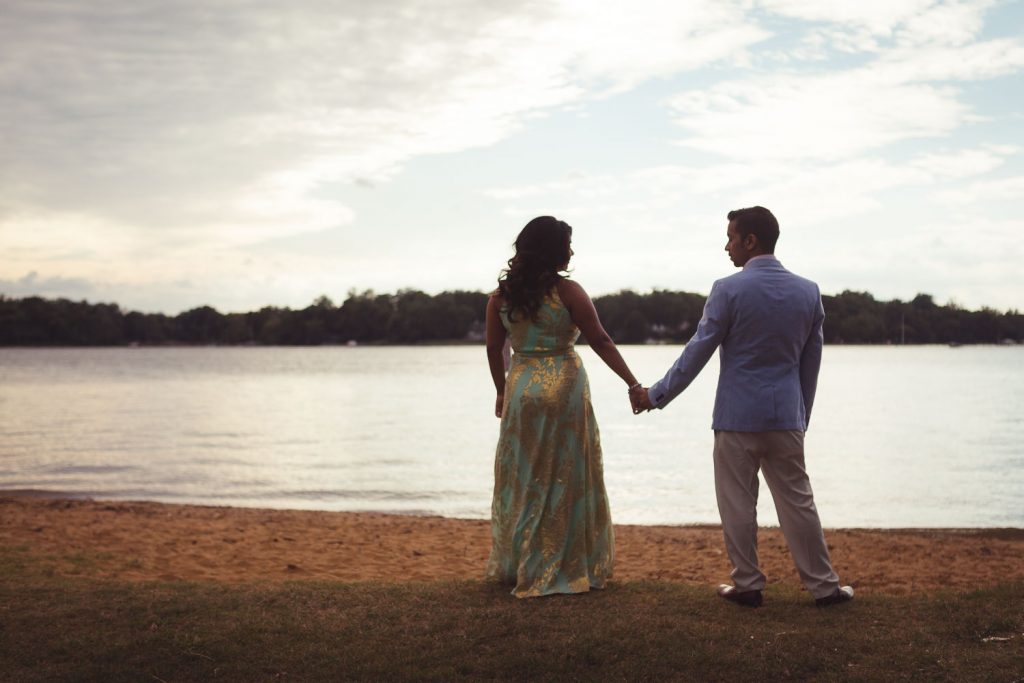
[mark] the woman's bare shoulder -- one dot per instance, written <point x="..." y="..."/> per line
<point x="570" y="290"/>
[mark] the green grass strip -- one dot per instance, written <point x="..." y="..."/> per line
<point x="83" y="629"/>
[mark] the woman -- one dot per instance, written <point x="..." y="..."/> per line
<point x="550" y="525"/>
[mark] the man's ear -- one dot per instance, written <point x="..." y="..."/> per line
<point x="750" y="241"/>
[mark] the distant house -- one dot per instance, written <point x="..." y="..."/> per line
<point x="477" y="331"/>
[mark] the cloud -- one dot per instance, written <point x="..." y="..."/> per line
<point x="963" y="163"/>
<point x="627" y="43"/>
<point x="970" y="256"/>
<point x="915" y="20"/>
<point x="827" y="117"/>
<point x="31" y="284"/>
<point x="807" y="193"/>
<point x="906" y="90"/>
<point x="952" y="23"/>
<point x="990" y="190"/>
<point x="187" y="123"/>
<point x="978" y="61"/>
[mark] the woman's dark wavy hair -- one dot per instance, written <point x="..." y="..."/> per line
<point x="542" y="250"/>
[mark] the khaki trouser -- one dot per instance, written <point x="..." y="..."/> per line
<point x="780" y="455"/>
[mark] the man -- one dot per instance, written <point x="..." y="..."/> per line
<point x="767" y="322"/>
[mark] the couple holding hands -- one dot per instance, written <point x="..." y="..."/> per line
<point x="550" y="522"/>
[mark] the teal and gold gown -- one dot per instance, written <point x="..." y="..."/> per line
<point x="550" y="524"/>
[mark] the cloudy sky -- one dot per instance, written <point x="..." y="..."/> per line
<point x="244" y="153"/>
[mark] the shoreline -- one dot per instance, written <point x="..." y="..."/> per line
<point x="48" y="494"/>
<point x="1006" y="343"/>
<point x="148" y="541"/>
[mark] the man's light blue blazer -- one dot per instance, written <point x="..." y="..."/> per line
<point x="767" y="322"/>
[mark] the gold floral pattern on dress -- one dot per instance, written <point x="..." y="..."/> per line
<point x="550" y="523"/>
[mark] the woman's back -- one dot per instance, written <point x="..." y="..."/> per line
<point x="552" y="332"/>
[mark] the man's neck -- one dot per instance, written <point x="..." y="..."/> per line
<point x="761" y="257"/>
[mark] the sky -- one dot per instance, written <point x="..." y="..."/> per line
<point x="241" y="154"/>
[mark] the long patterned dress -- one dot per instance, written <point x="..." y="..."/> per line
<point x="550" y="524"/>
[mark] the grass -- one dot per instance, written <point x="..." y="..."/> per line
<point x="80" y="628"/>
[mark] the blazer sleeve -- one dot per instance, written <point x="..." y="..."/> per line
<point x="711" y="330"/>
<point x="810" y="360"/>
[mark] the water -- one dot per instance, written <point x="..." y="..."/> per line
<point x="900" y="436"/>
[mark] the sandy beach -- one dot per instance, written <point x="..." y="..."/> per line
<point x="143" y="541"/>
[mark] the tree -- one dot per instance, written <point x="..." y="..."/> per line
<point x="203" y="325"/>
<point x="365" y="317"/>
<point x="411" y="316"/>
<point x="634" y="328"/>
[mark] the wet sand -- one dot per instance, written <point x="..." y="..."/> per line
<point x="141" y="541"/>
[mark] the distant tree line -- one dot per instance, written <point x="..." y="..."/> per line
<point x="411" y="317"/>
<point x="850" y="318"/>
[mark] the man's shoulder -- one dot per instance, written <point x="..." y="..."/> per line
<point x="752" y="278"/>
<point x="738" y="281"/>
<point x="729" y="282"/>
<point x="777" y="269"/>
<point x="723" y="290"/>
<point x="805" y="282"/>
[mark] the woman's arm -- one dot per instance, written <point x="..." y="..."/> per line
<point x="495" y="341"/>
<point x="584" y="315"/>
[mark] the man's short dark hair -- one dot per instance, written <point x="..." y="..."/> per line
<point x="759" y="221"/>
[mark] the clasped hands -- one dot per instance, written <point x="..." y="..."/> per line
<point x="639" y="399"/>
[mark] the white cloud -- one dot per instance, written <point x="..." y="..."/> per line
<point x="32" y="285"/>
<point x="954" y="22"/>
<point x="912" y="19"/>
<point x="827" y="117"/>
<point x="973" y="62"/>
<point x="806" y="193"/>
<point x="995" y="189"/>
<point x="179" y="117"/>
<point x="630" y="42"/>
<point x="906" y="91"/>
<point x="963" y="163"/>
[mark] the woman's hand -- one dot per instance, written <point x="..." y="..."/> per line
<point x="640" y="399"/>
<point x="496" y="340"/>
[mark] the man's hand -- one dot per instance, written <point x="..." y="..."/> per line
<point x="640" y="400"/>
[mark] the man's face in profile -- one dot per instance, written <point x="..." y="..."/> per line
<point x="738" y="251"/>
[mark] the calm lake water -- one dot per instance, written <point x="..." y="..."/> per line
<point x="900" y="436"/>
